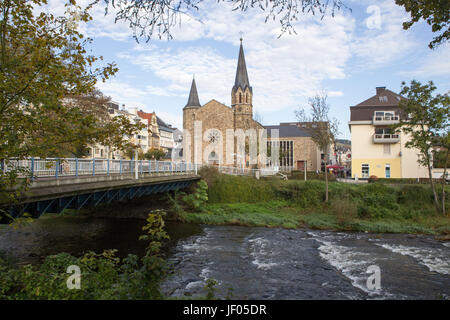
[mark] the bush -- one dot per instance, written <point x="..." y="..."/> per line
<point x="209" y="174"/>
<point x="372" y="179"/>
<point x="344" y="209"/>
<point x="310" y="175"/>
<point x="196" y="200"/>
<point x="229" y="189"/>
<point x="103" y="276"/>
<point x="375" y="201"/>
<point x="304" y="194"/>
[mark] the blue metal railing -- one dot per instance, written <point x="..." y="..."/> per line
<point x="60" y="167"/>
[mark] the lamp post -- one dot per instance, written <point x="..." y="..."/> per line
<point x="136" y="154"/>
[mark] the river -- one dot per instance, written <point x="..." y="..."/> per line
<point x="255" y="263"/>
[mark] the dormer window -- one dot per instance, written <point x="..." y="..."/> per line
<point x="383" y="98"/>
<point x="385" y="115"/>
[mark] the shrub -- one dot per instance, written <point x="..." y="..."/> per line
<point x="103" y="276"/>
<point x="372" y="179"/>
<point x="209" y="174"/>
<point x="196" y="200"/>
<point x="310" y="175"/>
<point x="344" y="209"/>
<point x="227" y="188"/>
<point x="375" y="201"/>
<point x="305" y="194"/>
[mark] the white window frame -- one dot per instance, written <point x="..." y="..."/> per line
<point x="362" y="170"/>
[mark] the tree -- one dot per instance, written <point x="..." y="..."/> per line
<point x="435" y="12"/>
<point x="441" y="159"/>
<point x="147" y="18"/>
<point x="100" y="127"/>
<point x="154" y="154"/>
<point x="46" y="76"/>
<point x="428" y="115"/>
<point x="322" y="129"/>
<point x="43" y="61"/>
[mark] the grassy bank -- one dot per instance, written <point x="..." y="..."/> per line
<point x="295" y="203"/>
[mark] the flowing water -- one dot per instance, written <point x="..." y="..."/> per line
<point x="256" y="263"/>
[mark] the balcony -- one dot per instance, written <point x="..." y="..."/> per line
<point x="385" y="120"/>
<point x="386" y="138"/>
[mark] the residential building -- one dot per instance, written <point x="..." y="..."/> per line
<point x="141" y="138"/>
<point x="177" y="152"/>
<point x="152" y="129"/>
<point x="166" y="141"/>
<point x="376" y="149"/>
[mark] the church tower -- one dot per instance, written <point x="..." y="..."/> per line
<point x="242" y="94"/>
<point x="189" y="117"/>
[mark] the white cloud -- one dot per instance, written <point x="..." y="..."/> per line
<point x="123" y="92"/>
<point x="280" y="70"/>
<point x="436" y="63"/>
<point x="335" y="93"/>
<point x="377" y="47"/>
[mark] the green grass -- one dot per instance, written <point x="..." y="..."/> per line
<point x="280" y="214"/>
<point x="266" y="214"/>
<point x="294" y="203"/>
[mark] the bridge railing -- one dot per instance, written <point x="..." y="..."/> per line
<point x="241" y="171"/>
<point x="59" y="167"/>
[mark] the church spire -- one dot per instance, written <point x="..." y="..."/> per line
<point x="193" y="101"/>
<point x="241" y="72"/>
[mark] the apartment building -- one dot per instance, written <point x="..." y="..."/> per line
<point x="141" y="138"/>
<point x="376" y="149"/>
<point x="152" y="128"/>
<point x="166" y="141"/>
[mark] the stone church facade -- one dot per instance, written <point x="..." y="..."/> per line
<point x="206" y="143"/>
<point x="206" y="140"/>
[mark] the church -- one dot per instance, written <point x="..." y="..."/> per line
<point x="213" y="132"/>
<point x="206" y="127"/>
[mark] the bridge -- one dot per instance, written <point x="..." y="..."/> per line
<point x="59" y="184"/>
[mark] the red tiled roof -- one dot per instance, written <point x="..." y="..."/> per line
<point x="145" y="115"/>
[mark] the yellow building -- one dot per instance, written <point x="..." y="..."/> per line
<point x="376" y="150"/>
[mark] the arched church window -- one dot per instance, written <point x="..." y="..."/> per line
<point x="240" y="97"/>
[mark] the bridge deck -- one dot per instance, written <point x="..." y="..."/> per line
<point x="43" y="189"/>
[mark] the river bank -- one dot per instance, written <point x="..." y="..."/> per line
<point x="294" y="204"/>
<point x="245" y="262"/>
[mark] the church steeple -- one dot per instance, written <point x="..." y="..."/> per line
<point x="241" y="80"/>
<point x="193" y="101"/>
<point x="242" y="93"/>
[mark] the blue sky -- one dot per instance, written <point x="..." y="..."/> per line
<point x="347" y="56"/>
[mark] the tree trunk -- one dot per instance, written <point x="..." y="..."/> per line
<point x="326" y="178"/>
<point x="430" y="175"/>
<point x="443" y="184"/>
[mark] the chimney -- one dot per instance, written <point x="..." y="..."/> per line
<point x="380" y="90"/>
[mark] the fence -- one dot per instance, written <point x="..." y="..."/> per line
<point x="241" y="171"/>
<point x="63" y="167"/>
<point x="90" y="167"/>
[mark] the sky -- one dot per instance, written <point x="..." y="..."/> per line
<point x="346" y="56"/>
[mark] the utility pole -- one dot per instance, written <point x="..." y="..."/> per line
<point x="136" y="173"/>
